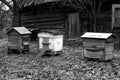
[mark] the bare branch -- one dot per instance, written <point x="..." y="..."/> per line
<point x="8" y="4"/>
<point x="99" y="6"/>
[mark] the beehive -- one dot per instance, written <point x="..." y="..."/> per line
<point x="98" y="45"/>
<point x="51" y="40"/>
<point x="18" y="39"/>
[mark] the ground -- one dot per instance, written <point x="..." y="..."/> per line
<point x="67" y="66"/>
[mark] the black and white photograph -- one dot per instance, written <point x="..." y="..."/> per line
<point x="59" y="39"/>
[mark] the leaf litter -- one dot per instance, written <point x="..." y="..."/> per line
<point x="69" y="65"/>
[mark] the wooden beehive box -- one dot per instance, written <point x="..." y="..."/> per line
<point x="18" y="39"/>
<point x="98" y="45"/>
<point x="51" y="40"/>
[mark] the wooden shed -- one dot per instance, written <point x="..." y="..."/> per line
<point x="98" y="45"/>
<point x="51" y="40"/>
<point x="51" y="14"/>
<point x="18" y="39"/>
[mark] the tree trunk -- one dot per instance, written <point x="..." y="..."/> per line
<point x="17" y="16"/>
<point x="94" y="16"/>
<point x="94" y="23"/>
<point x="91" y="29"/>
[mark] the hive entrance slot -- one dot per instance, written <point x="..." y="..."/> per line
<point x="46" y="45"/>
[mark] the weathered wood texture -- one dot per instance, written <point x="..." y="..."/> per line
<point x="17" y="41"/>
<point x="74" y="29"/>
<point x="14" y="40"/>
<point x="48" y="20"/>
<point x="101" y="49"/>
<point x="115" y="15"/>
<point x="56" y="17"/>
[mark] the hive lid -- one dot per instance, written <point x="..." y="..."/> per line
<point x="96" y="35"/>
<point x="22" y="30"/>
<point x="54" y="32"/>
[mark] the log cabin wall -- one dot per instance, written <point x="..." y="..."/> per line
<point x="49" y="17"/>
<point x="43" y="17"/>
<point x="43" y="20"/>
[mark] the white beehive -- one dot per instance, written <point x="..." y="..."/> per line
<point x="98" y="45"/>
<point x="51" y="40"/>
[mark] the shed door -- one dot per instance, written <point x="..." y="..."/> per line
<point x="73" y="25"/>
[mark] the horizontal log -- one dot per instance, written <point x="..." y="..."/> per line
<point x="42" y="20"/>
<point x="43" y="23"/>
<point x="27" y="13"/>
<point x="41" y="16"/>
<point x="42" y="11"/>
<point x="39" y="26"/>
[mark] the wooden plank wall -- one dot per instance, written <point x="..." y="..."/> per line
<point x="14" y="40"/>
<point x="74" y="29"/>
<point x="53" y="20"/>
